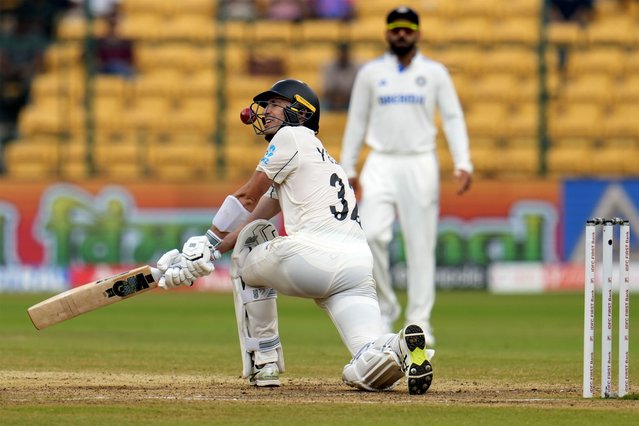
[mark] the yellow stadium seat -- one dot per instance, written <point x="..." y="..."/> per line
<point x="158" y="83"/>
<point x="206" y="8"/>
<point x="484" y="160"/>
<point x="631" y="60"/>
<point x="611" y="9"/>
<point x="597" y="87"/>
<point x="194" y="28"/>
<point x="608" y="59"/>
<point x="565" y="33"/>
<point x="61" y="55"/>
<point x="576" y="120"/>
<point x="506" y="162"/>
<point x="522" y="141"/>
<point x="487" y="119"/>
<point x="521" y="8"/>
<point x="113" y="152"/>
<point x="573" y="142"/>
<point x="140" y="7"/>
<point x="201" y="84"/>
<point x="331" y="132"/>
<point x="366" y="30"/>
<point x="612" y="30"/>
<point x="244" y="156"/>
<point x="323" y="30"/>
<point x="373" y="9"/>
<point x="179" y="56"/>
<point x="195" y="114"/>
<point x="59" y="85"/>
<point x="479" y="142"/>
<point x="303" y="59"/>
<point x="517" y="30"/>
<point x="496" y="87"/>
<point x="76" y="27"/>
<point x="146" y="27"/>
<point x="149" y="112"/>
<point x="465" y="59"/>
<point x="124" y="160"/>
<point x="622" y="122"/>
<point x="181" y="162"/>
<point x="445" y="160"/>
<point x="109" y="86"/>
<point x="364" y="52"/>
<point x="75" y="170"/>
<point x="519" y="60"/>
<point x="123" y="172"/>
<point x="244" y="86"/>
<point x="521" y="161"/>
<point x="235" y="31"/>
<point x="566" y="161"/>
<point x="627" y="90"/>
<point x="615" y="161"/>
<point x="267" y="30"/>
<point x="26" y="159"/>
<point x="41" y="120"/>
<point x="470" y="29"/>
<point x="524" y="120"/>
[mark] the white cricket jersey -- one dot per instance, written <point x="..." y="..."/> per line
<point x="312" y="189"/>
<point x="393" y="111"/>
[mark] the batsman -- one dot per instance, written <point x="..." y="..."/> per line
<point x="324" y="257"/>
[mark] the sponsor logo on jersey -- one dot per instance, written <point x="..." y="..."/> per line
<point x="269" y="153"/>
<point x="407" y="98"/>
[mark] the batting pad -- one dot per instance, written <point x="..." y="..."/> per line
<point x="255" y="305"/>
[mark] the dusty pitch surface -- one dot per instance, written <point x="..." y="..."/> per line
<point x="25" y="387"/>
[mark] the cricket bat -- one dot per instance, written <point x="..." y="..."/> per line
<point x="91" y="296"/>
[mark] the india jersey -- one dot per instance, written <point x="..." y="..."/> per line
<point x="312" y="189"/>
<point x="392" y="109"/>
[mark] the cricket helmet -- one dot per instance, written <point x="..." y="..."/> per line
<point x="303" y="111"/>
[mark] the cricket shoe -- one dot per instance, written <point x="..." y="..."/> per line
<point x="415" y="359"/>
<point x="267" y="375"/>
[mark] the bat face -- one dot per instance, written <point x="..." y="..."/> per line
<point x="91" y="296"/>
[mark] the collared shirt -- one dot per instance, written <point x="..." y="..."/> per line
<point x="393" y="108"/>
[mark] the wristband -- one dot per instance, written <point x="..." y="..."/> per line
<point x="213" y="239"/>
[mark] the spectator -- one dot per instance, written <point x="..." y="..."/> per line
<point x="241" y="10"/>
<point x="114" y="54"/>
<point x="97" y="8"/>
<point x="288" y="10"/>
<point x="339" y="77"/>
<point x="577" y="11"/>
<point x="334" y="9"/>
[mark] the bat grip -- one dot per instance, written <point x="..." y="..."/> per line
<point x="157" y="274"/>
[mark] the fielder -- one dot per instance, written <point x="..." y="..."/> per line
<point x="325" y="256"/>
<point x="392" y="109"/>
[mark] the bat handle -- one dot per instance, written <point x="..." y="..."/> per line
<point x="157" y="274"/>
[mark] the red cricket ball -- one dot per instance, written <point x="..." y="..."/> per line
<point x="247" y="116"/>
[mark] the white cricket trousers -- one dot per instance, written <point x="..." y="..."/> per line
<point x="406" y="187"/>
<point x="338" y="277"/>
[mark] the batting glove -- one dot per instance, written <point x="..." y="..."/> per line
<point x="198" y="255"/>
<point x="173" y="273"/>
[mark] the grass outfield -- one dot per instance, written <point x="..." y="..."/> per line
<point x="169" y="358"/>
